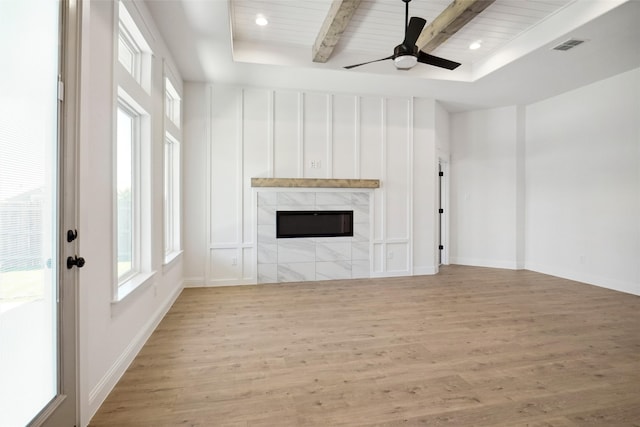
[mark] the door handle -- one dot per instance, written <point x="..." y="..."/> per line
<point x="72" y="235"/>
<point x="75" y="260"/>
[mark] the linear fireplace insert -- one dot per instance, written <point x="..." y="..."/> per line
<point x="291" y="224"/>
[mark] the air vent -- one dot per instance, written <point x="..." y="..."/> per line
<point x="569" y="44"/>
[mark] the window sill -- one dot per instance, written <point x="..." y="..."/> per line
<point x="136" y="283"/>
<point x="170" y="259"/>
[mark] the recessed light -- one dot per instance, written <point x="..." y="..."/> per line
<point x="261" y="20"/>
<point x="475" y="45"/>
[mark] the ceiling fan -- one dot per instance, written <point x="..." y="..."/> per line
<point x="407" y="54"/>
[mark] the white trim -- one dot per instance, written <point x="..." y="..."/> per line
<point x="193" y="282"/>
<point x="132" y="286"/>
<point x="254" y="222"/>
<point x="101" y="390"/>
<point x="357" y="146"/>
<point x="445" y="217"/>
<point x="424" y="271"/>
<point x="240" y="167"/>
<point x="228" y="282"/>
<point x="171" y="259"/>
<point x="329" y="141"/>
<point x="271" y="136"/>
<point x="476" y="262"/>
<point x="410" y="183"/>
<point x="383" y="172"/>
<point x="300" y="134"/>
<point x="586" y="278"/>
<point x="143" y="57"/>
<point x="393" y="273"/>
<point x="208" y="173"/>
<point x="140" y="15"/>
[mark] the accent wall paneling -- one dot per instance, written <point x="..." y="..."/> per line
<point x="286" y="134"/>
<point x="316" y="123"/>
<point x="345" y="146"/>
<point x="264" y="133"/>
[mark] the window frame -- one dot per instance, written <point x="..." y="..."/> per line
<point x="172" y="196"/>
<point x="133" y="94"/>
<point x="125" y="38"/>
<point x="172" y="161"/>
<point x="135" y="192"/>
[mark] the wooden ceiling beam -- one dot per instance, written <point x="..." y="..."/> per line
<point x="458" y="14"/>
<point x="337" y="19"/>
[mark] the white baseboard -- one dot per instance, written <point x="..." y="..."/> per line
<point x="476" y="262"/>
<point x="390" y="273"/>
<point x="229" y="282"/>
<point x="193" y="282"/>
<point x="590" y="279"/>
<point x="425" y="271"/>
<point x="99" y="393"/>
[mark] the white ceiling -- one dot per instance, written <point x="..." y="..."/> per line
<point x="218" y="41"/>
<point x="378" y="26"/>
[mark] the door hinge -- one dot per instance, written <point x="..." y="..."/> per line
<point x="60" y="90"/>
<point x="440" y="247"/>
<point x="440" y="210"/>
<point x="440" y="173"/>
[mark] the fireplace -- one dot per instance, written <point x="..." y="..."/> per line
<point x="336" y="225"/>
<point x="333" y="223"/>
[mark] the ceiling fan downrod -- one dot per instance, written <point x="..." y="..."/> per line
<point x="406" y="16"/>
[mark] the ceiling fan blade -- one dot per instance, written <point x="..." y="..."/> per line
<point x="348" y="67"/>
<point x="416" y="24"/>
<point x="425" y="58"/>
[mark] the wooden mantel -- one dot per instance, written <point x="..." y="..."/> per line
<point x="315" y="183"/>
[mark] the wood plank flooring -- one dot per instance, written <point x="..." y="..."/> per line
<point x="469" y="346"/>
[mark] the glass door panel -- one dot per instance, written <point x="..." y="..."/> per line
<point x="29" y="207"/>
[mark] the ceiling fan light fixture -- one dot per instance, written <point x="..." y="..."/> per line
<point x="405" y="62"/>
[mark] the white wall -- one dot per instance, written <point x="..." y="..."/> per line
<point x="256" y="132"/>
<point x="583" y="184"/>
<point x="552" y="187"/>
<point x="196" y="136"/>
<point x="110" y="334"/>
<point x="483" y="214"/>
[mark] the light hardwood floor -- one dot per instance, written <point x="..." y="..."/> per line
<point x="469" y="346"/>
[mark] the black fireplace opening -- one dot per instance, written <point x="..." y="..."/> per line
<point x="290" y="224"/>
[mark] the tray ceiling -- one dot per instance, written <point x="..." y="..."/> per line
<point x="378" y="25"/>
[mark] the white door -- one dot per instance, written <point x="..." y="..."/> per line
<point x="37" y="291"/>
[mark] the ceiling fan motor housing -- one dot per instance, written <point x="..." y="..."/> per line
<point x="404" y="57"/>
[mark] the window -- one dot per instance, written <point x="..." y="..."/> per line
<point x="126" y="142"/>
<point x="172" y="103"/>
<point x="128" y="53"/>
<point x="172" y="138"/>
<point x="171" y="197"/>
<point x="132" y="157"/>
<point x="134" y="53"/>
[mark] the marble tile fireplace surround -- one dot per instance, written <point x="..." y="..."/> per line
<point x="313" y="258"/>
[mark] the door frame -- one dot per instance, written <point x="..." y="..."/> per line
<point x="443" y="218"/>
<point x="65" y="406"/>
